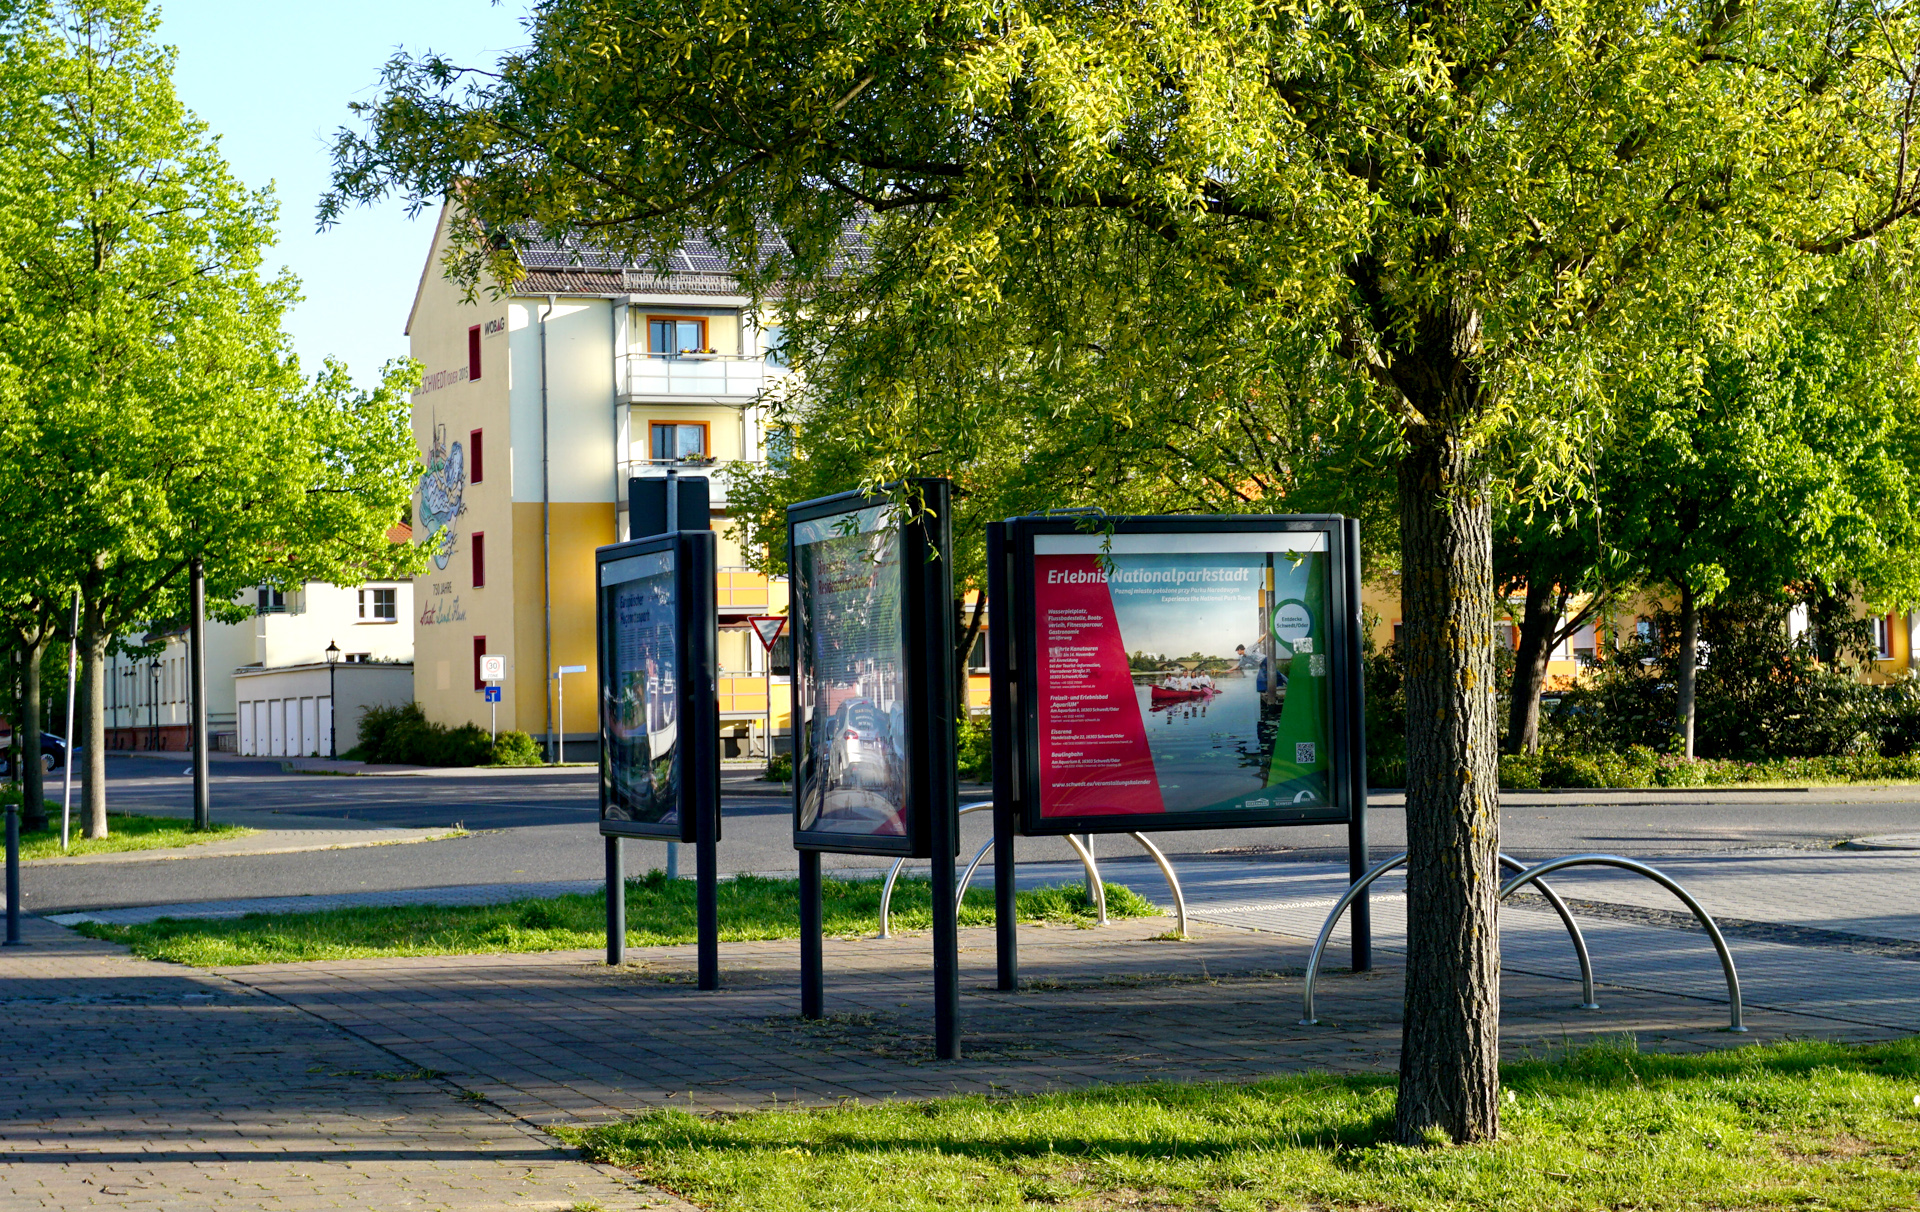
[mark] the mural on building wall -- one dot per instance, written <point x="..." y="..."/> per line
<point x="441" y="492"/>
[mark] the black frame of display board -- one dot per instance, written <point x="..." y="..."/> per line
<point x="697" y="729"/>
<point x="1014" y="638"/>
<point x="926" y="603"/>
<point x="929" y="705"/>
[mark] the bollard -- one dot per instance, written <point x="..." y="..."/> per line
<point x="13" y="875"/>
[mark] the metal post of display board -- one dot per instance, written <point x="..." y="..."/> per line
<point x="1000" y="649"/>
<point x="812" y="962"/>
<point x="673" y="524"/>
<point x="616" y="903"/>
<point x="1357" y="860"/>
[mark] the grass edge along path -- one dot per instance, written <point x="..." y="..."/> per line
<point x="751" y="907"/>
<point x="1794" y="1125"/>
<point x="124" y="832"/>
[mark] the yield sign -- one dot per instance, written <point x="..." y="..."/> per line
<point x="768" y="627"/>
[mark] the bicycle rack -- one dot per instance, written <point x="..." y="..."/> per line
<point x="1533" y="875"/>
<point x="1360" y="885"/>
<point x="1086" y="860"/>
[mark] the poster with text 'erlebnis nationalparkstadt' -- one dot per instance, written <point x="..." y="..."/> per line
<point x="1182" y="673"/>
<point x="641" y="716"/>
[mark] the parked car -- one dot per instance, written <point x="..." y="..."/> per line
<point x="53" y="755"/>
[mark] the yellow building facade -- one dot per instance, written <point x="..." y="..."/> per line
<point x="536" y="409"/>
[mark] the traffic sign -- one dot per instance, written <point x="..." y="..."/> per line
<point x="768" y="627"/>
<point x="493" y="669"/>
<point x="493" y="694"/>
<point x="571" y="669"/>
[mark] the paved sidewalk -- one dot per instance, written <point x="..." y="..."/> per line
<point x="139" y="1085"/>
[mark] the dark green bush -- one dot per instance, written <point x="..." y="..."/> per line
<point x="974" y="748"/>
<point x="516" y="749"/>
<point x="404" y="736"/>
<point x="780" y="768"/>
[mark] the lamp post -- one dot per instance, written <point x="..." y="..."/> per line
<point x="333" y="701"/>
<point x="128" y="704"/>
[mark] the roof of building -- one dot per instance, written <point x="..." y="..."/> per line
<point x="573" y="265"/>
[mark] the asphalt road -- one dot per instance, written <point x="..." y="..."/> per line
<point x="539" y="825"/>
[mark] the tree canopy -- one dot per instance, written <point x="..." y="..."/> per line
<point x="150" y="411"/>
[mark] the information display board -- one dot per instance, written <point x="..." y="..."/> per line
<point x="659" y="718"/>
<point x="1181" y="672"/>
<point x="872" y="628"/>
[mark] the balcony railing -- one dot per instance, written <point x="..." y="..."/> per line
<point x="740" y="588"/>
<point x="740" y="694"/>
<point x="647" y="374"/>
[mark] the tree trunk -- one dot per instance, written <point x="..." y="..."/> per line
<point x="1450" y="1037"/>
<point x="33" y="778"/>
<point x="1689" y="665"/>
<point x="964" y="649"/>
<point x="93" y="676"/>
<point x="1530" y="666"/>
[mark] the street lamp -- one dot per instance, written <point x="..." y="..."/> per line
<point x="333" y="702"/>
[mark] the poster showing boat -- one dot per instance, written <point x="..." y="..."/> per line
<point x="1182" y="673"/>
<point x="641" y="712"/>
<point x="850" y="652"/>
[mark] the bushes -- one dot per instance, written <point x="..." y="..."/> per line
<point x="403" y="735"/>
<point x="517" y="749"/>
<point x="780" y="768"/>
<point x="974" y="748"/>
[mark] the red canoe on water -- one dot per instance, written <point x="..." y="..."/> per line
<point x="1160" y="694"/>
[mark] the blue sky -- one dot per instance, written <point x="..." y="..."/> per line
<point x="274" y="81"/>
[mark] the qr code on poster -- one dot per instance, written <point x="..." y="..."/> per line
<point x="1303" y="753"/>
<point x="1317" y="665"/>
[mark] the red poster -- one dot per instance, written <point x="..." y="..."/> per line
<point x="1094" y="759"/>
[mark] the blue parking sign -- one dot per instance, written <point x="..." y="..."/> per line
<point x="493" y="694"/>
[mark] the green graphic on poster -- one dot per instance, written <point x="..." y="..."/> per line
<point x="1302" y="747"/>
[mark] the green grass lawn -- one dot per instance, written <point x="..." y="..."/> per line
<point x="1791" y="1126"/>
<point x="659" y="912"/>
<point x="123" y="833"/>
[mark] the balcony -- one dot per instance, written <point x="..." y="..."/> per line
<point x="694" y="378"/>
<point x="740" y="590"/>
<point x="742" y="695"/>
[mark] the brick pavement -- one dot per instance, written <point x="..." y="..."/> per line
<point x="139" y="1085"/>
<point x="559" y="1037"/>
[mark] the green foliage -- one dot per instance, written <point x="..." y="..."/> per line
<point x="1642" y="767"/>
<point x="150" y="410"/>
<point x="404" y="736"/>
<point x="516" y="749"/>
<point x="1802" y="1124"/>
<point x="1761" y="694"/>
<point x="780" y="768"/>
<point x="975" y="748"/>
<point x="660" y="912"/>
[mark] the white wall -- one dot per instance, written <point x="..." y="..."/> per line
<point x="580" y="398"/>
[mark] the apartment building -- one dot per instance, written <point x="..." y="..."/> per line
<point x="537" y="408"/>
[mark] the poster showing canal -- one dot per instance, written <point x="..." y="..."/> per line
<point x="851" y="647"/>
<point x="1182" y="673"/>
<point x="640" y="709"/>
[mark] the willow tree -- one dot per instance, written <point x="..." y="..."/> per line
<point x="151" y="413"/>
<point x="1454" y="200"/>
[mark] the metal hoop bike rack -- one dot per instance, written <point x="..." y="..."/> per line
<point x="1086" y="860"/>
<point x="1533" y="875"/>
